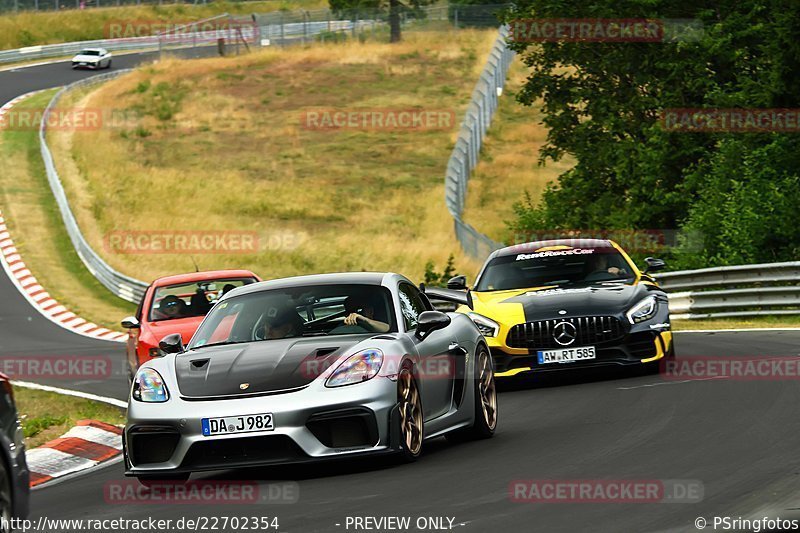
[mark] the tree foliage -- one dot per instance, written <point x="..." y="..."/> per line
<point x="602" y="103"/>
<point x="395" y="9"/>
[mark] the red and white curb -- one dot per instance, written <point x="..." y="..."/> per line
<point x="40" y="299"/>
<point x="6" y="107"/>
<point x="84" y="446"/>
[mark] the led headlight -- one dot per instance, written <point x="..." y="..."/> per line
<point x="359" y="367"/>
<point x="487" y="326"/>
<point x="644" y="310"/>
<point x="149" y="387"/>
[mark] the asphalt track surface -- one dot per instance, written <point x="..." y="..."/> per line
<point x="737" y="438"/>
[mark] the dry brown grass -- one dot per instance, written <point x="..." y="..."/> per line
<point x="29" y="28"/>
<point x="235" y="157"/>
<point x="509" y="162"/>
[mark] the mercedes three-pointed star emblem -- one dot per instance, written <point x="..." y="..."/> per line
<point x="564" y="333"/>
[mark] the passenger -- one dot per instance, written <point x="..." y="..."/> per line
<point x="282" y="323"/>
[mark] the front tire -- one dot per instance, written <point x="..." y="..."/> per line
<point x="485" y="404"/>
<point x="412" y="427"/>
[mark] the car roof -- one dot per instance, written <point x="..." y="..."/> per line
<point x="533" y="246"/>
<point x="209" y="275"/>
<point x="337" y="278"/>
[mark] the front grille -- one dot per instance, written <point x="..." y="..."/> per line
<point x="224" y="453"/>
<point x="589" y="331"/>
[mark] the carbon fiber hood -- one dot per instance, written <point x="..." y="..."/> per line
<point x="258" y="367"/>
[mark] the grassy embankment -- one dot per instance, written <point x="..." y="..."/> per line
<point x="220" y="144"/>
<point x="29" y="28"/>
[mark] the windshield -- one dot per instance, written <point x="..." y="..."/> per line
<point x="190" y="299"/>
<point x="568" y="266"/>
<point x="90" y="53"/>
<point x="306" y="311"/>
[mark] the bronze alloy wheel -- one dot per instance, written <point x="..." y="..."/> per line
<point x="487" y="390"/>
<point x="410" y="412"/>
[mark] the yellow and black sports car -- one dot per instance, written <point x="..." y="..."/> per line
<point x="566" y="303"/>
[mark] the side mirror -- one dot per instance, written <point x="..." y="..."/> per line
<point x="458" y="283"/>
<point x="429" y="321"/>
<point x="653" y="264"/>
<point x="171" y="343"/>
<point x="130" y="323"/>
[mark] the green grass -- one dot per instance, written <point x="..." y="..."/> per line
<point x="46" y="415"/>
<point x="35" y="223"/>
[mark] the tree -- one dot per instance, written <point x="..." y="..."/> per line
<point x="602" y="104"/>
<point x="394" y="7"/>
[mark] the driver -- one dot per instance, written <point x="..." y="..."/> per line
<point x="601" y="263"/>
<point x="361" y="312"/>
<point x="171" y="307"/>
<point x="282" y="322"/>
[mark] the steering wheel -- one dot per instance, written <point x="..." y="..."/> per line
<point x="259" y="332"/>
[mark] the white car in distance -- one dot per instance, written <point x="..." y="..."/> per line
<point x="93" y="58"/>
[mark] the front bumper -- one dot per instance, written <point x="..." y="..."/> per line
<point x="639" y="346"/>
<point x="311" y="424"/>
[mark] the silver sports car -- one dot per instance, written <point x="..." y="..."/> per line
<point x="310" y="368"/>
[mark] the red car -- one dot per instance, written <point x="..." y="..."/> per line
<point x="176" y="304"/>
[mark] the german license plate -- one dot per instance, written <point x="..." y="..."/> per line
<point x="566" y="355"/>
<point x="226" y="425"/>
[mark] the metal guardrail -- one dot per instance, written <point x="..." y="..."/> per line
<point x="274" y="28"/>
<point x="466" y="152"/>
<point x="125" y="287"/>
<point x="272" y="33"/>
<point x="734" y="291"/>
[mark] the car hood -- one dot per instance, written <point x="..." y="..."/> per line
<point x="185" y="326"/>
<point x="525" y="305"/>
<point x="86" y="59"/>
<point x="258" y="367"/>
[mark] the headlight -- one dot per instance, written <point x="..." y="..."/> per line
<point x="644" y="310"/>
<point x="487" y="326"/>
<point x="358" y="367"/>
<point x="148" y="386"/>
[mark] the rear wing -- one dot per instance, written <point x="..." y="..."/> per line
<point x="448" y="295"/>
